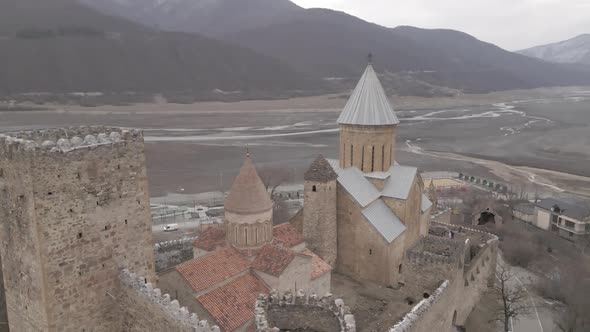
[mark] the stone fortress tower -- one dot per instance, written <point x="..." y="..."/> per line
<point x="367" y="127"/>
<point x="248" y="210"/>
<point x="320" y="228"/>
<point x="75" y="211"/>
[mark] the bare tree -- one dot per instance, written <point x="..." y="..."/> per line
<point x="512" y="297"/>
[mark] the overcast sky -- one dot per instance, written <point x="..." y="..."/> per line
<point x="511" y="24"/>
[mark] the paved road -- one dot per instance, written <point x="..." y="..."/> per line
<point x="185" y="229"/>
<point x="541" y="318"/>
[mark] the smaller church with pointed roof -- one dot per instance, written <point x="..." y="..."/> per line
<point x="250" y="256"/>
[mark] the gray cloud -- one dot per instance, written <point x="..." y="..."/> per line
<point x="511" y="24"/>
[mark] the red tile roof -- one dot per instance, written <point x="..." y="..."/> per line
<point x="286" y="235"/>
<point x="213" y="268"/>
<point x="232" y="304"/>
<point x="318" y="266"/>
<point x="210" y="239"/>
<point x="273" y="260"/>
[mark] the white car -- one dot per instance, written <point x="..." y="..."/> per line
<point x="171" y="227"/>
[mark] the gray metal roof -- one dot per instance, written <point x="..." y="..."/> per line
<point x="368" y="105"/>
<point x="400" y="182"/>
<point x="355" y="183"/>
<point x="578" y="212"/>
<point x="384" y="220"/>
<point x="426" y="203"/>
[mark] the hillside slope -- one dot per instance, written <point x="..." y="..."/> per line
<point x="331" y="43"/>
<point x="575" y="50"/>
<point x="207" y="17"/>
<point x="62" y="46"/>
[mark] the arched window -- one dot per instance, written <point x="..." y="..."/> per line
<point x="314" y="189"/>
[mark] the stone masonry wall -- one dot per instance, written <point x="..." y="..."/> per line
<point x="319" y="220"/>
<point x="78" y="211"/>
<point x="145" y="309"/>
<point x="302" y="312"/>
<point x="171" y="253"/>
<point x="369" y="148"/>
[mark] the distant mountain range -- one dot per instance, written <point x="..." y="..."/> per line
<point x="575" y="50"/>
<point x="62" y="46"/>
<point x="330" y="44"/>
<point x="259" y="48"/>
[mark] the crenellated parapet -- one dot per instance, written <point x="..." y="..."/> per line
<point x="421" y="309"/>
<point x="302" y="311"/>
<point x="185" y="320"/>
<point x="64" y="140"/>
<point x="174" y="244"/>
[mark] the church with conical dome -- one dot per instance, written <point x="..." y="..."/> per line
<point x="364" y="210"/>
<point x="249" y="256"/>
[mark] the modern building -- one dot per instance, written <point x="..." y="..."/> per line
<point x="568" y="220"/>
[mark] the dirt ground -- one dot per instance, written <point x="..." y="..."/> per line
<point x="375" y="308"/>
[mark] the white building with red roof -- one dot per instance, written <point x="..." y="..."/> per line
<point x="250" y="256"/>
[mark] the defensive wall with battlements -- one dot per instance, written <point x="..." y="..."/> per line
<point x="171" y="253"/>
<point x="302" y="312"/>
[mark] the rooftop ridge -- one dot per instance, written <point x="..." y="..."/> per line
<point x="337" y="307"/>
<point x="170" y="307"/>
<point x="408" y="321"/>
<point x="65" y="139"/>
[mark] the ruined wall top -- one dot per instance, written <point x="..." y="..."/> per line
<point x="63" y="140"/>
<point x="186" y="320"/>
<point x="302" y="300"/>
<point x="407" y="323"/>
<point x="433" y="249"/>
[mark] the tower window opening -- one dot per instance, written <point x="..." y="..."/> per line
<point x="370" y="251"/>
<point x="399" y="269"/>
<point x="1" y="173"/>
<point x="363" y="159"/>
<point x="78" y="176"/>
<point x="79" y="235"/>
<point x="314" y="189"/>
<point x="383" y="157"/>
<point x="125" y="221"/>
<point x="351" y="155"/>
<point x="373" y="159"/>
<point x="246" y="236"/>
<point x="49" y="193"/>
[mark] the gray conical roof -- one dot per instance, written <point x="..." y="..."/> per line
<point x="320" y="171"/>
<point x="368" y="105"/>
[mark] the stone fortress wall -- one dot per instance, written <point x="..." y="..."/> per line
<point x="75" y="211"/>
<point x="468" y="267"/>
<point x="305" y="312"/>
<point x="171" y="253"/>
<point x="145" y="309"/>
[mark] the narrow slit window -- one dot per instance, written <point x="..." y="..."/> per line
<point x="363" y="159"/>
<point x="383" y="157"/>
<point x="314" y="189"/>
<point x="246" y="236"/>
<point x="373" y="159"/>
<point x="351" y="155"/>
